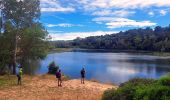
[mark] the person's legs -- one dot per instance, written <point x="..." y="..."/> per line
<point x="83" y="80"/>
<point x="58" y="82"/>
<point x="18" y="80"/>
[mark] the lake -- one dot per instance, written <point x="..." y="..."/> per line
<point x="105" y="67"/>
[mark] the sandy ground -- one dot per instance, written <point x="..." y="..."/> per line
<point x="45" y="88"/>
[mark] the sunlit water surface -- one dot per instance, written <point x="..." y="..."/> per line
<point x="105" y="67"/>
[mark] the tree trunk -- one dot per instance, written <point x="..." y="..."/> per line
<point x="1" y="22"/>
<point x="15" y="54"/>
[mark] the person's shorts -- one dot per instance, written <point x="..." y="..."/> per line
<point x="19" y="77"/>
<point x="82" y="76"/>
<point x="59" y="78"/>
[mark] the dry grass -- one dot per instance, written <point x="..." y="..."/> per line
<point x="45" y="87"/>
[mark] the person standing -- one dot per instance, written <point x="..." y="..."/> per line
<point x="58" y="76"/>
<point x="82" y="75"/>
<point x="19" y="76"/>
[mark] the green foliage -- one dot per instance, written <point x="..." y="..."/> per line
<point x="138" y="81"/>
<point x="165" y="81"/>
<point x="52" y="68"/>
<point x="32" y="44"/>
<point x="21" y="13"/>
<point x="152" y="92"/>
<point x="6" y="48"/>
<point x="109" y="94"/>
<point x="141" y="89"/>
<point x="23" y="38"/>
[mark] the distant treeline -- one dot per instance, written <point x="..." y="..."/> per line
<point x="148" y="39"/>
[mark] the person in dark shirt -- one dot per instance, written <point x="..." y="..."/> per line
<point x="82" y="75"/>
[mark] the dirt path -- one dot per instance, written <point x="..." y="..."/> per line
<point x="45" y="88"/>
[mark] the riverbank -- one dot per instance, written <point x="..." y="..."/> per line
<point x="45" y="87"/>
<point x="109" y="50"/>
<point x="61" y="50"/>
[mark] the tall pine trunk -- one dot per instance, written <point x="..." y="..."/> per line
<point x="1" y="22"/>
<point x="15" y="53"/>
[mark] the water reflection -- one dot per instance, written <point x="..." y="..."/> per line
<point x="107" y="67"/>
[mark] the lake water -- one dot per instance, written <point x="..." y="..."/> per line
<point x="105" y="67"/>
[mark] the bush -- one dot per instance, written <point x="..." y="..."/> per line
<point x="52" y="68"/>
<point x="141" y="89"/>
<point x="153" y="92"/>
<point x="138" y="81"/>
<point x="127" y="90"/>
<point x="109" y="94"/>
<point x="165" y="80"/>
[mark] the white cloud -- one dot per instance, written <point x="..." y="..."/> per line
<point x="131" y="23"/>
<point x="74" y="35"/>
<point x="123" y="13"/>
<point x="151" y="13"/>
<point x="54" y="31"/>
<point x="121" y="8"/>
<point x="125" y="4"/>
<point x="63" y="25"/>
<point x="110" y="19"/>
<point x="112" y="22"/>
<point x="103" y="13"/>
<point x="103" y="19"/>
<point x="54" y="6"/>
<point x="119" y="13"/>
<point x="57" y="9"/>
<point x="101" y="7"/>
<point x="112" y="13"/>
<point x="163" y="12"/>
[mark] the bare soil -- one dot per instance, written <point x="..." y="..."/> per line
<point x="45" y="88"/>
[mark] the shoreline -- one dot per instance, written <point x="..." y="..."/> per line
<point x="155" y="53"/>
<point x="51" y="76"/>
<point x="45" y="87"/>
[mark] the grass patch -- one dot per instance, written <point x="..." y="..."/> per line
<point x="11" y="80"/>
<point x="7" y="81"/>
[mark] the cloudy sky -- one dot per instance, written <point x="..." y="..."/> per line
<point x="68" y="19"/>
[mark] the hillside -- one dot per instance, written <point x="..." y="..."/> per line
<point x="143" y="39"/>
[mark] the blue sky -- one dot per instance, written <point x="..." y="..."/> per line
<point x="68" y="19"/>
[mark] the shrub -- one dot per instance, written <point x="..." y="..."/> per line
<point x="165" y="80"/>
<point x="153" y="92"/>
<point x="127" y="90"/>
<point x="109" y="94"/>
<point x="52" y="68"/>
<point x="141" y="89"/>
<point x="138" y="81"/>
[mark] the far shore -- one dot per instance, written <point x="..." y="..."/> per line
<point x="109" y="50"/>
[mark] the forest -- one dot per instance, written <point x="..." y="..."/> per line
<point x="144" y="39"/>
<point x="22" y="36"/>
